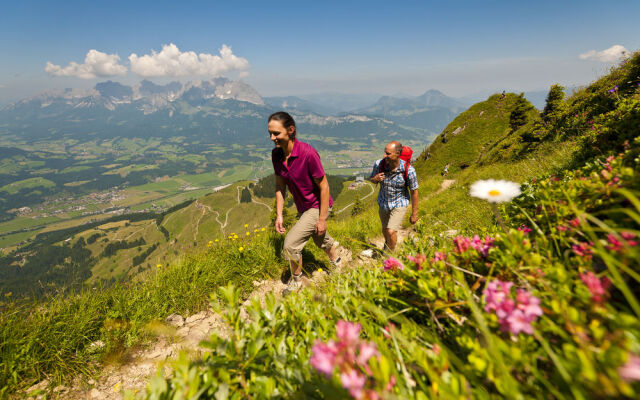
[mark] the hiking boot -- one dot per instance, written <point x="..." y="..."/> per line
<point x="294" y="284"/>
<point x="337" y="264"/>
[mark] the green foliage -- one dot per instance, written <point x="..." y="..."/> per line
<point x="266" y="186"/>
<point x="139" y="259"/>
<point x="518" y="116"/>
<point x="358" y="206"/>
<point x="92" y="239"/>
<point x="554" y="103"/>
<point x="111" y="248"/>
<point x="54" y="338"/>
<point x="430" y="321"/>
<point x="245" y="196"/>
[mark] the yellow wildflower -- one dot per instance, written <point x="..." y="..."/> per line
<point x="319" y="269"/>
<point x="217" y="240"/>
<point x="240" y="249"/>
<point x="117" y="386"/>
<point x="255" y="230"/>
<point x="246" y="225"/>
<point x="248" y="233"/>
<point x="262" y="229"/>
<point x="159" y="266"/>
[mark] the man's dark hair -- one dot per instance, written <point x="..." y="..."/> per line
<point x="285" y="119"/>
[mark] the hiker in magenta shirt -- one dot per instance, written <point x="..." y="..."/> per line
<point x="297" y="166"/>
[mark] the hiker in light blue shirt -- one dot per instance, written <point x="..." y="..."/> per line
<point x="398" y="187"/>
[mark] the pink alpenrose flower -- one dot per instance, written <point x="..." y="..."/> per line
<point x="439" y="256"/>
<point x="518" y="322"/>
<point x="392" y="264"/>
<point x="418" y="260"/>
<point x="528" y="304"/>
<point x="513" y="316"/>
<point x="630" y="371"/>
<point x="366" y="351"/>
<point x="462" y="244"/>
<point x="354" y="382"/>
<point x="324" y="357"/>
<point x="348" y="332"/>
<point x="597" y="286"/>
<point x="495" y="293"/>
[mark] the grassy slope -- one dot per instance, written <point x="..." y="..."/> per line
<point x="451" y="209"/>
<point x="489" y="149"/>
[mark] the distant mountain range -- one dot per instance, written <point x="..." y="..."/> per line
<point x="223" y="111"/>
<point x="217" y="111"/>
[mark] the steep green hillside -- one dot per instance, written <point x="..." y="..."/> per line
<point x="545" y="306"/>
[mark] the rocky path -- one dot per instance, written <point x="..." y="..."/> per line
<point x="178" y="334"/>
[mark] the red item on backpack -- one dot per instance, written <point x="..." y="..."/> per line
<point x="407" y="153"/>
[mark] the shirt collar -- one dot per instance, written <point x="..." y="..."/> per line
<point x="295" y="151"/>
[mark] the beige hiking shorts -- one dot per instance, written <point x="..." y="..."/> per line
<point x="392" y="219"/>
<point x="301" y="232"/>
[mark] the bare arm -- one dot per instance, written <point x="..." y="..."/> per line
<point x="323" y="184"/>
<point x="376" y="177"/>
<point x="414" y="206"/>
<point x="281" y="190"/>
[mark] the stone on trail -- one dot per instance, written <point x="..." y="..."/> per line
<point x="175" y="320"/>
<point x="368" y="253"/>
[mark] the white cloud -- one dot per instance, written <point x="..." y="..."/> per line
<point x="170" y="61"/>
<point x="96" y="64"/>
<point x="612" y="54"/>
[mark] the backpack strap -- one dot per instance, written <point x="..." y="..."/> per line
<point x="407" y="164"/>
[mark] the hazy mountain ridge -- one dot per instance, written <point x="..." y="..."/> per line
<point x="214" y="110"/>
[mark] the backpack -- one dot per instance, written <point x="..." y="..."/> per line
<point x="406" y="155"/>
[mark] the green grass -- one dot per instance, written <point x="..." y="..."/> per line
<point x="74" y="169"/>
<point x="206" y="179"/>
<point x="25" y="223"/>
<point x="15" y="238"/>
<point x="55" y="341"/>
<point x="349" y="196"/>
<point x="30" y="183"/>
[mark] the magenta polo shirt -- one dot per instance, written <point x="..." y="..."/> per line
<point x="304" y="165"/>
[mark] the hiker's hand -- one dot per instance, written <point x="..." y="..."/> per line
<point x="378" y="177"/>
<point x="279" y="225"/>
<point x="413" y="219"/>
<point x="321" y="227"/>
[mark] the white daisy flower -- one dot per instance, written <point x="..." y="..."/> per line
<point x="495" y="191"/>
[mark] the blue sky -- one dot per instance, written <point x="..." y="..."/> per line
<point x="294" y="48"/>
